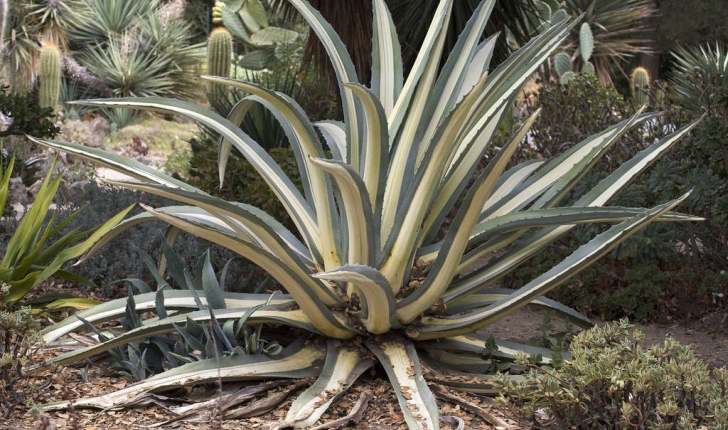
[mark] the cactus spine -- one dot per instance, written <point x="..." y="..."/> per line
<point x="219" y="60"/>
<point x="640" y="81"/>
<point x="49" y="76"/>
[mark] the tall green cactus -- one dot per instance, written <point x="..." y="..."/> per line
<point x="219" y="60"/>
<point x="3" y="19"/>
<point x="640" y="81"/>
<point x="49" y="76"/>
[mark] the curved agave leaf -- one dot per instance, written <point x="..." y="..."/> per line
<point x="360" y="240"/>
<point x="387" y="74"/>
<point x="456" y="240"/>
<point x="306" y="293"/>
<point x="294" y="318"/>
<point x="346" y="73"/>
<point x="399" y="359"/>
<point x="491" y="295"/>
<point x="375" y="155"/>
<point x="173" y="300"/>
<point x="598" y="196"/>
<point x="342" y="367"/>
<point x="282" y="186"/>
<point x="432" y="328"/>
<point x="335" y="134"/>
<point x="298" y="360"/>
<point x="377" y="298"/>
<point x="305" y="144"/>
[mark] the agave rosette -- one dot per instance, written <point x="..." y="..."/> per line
<point x="368" y="260"/>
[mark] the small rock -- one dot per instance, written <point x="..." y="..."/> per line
<point x="17" y="192"/>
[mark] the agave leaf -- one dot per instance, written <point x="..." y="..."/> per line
<point x="342" y="367"/>
<point x="478" y="65"/>
<point x="474" y="343"/>
<point x="406" y="117"/>
<point x="113" y="161"/>
<point x="335" y="134"/>
<point x="598" y="196"/>
<point x="399" y="359"/>
<point x="269" y="170"/>
<point x="447" y="89"/>
<point x="173" y="300"/>
<point x="307" y="294"/>
<point x="456" y="182"/>
<point x="491" y="295"/>
<point x="444" y="269"/>
<point x="295" y="318"/>
<point x="510" y="180"/>
<point x="305" y="144"/>
<point x="375" y="155"/>
<point x="224" y="148"/>
<point x="240" y="223"/>
<point x="298" y="360"/>
<point x="345" y="73"/>
<point x="361" y="242"/>
<point x="213" y="292"/>
<point x="375" y="293"/>
<point x="387" y="75"/>
<point x="586" y="254"/>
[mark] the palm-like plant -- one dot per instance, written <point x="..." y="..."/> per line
<point x="370" y="276"/>
<point x="700" y="77"/>
<point x="619" y="28"/>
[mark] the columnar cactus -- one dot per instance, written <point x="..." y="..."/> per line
<point x="3" y="19"/>
<point x="219" y="60"/>
<point x="640" y="81"/>
<point x="49" y="76"/>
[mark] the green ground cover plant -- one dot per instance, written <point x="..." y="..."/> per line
<point x="610" y="381"/>
<point x="366" y="271"/>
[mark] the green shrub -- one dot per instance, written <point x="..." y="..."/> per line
<point x="612" y="382"/>
<point x="19" y="342"/>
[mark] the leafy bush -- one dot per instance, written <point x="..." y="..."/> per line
<point x="610" y="381"/>
<point x="20" y="340"/>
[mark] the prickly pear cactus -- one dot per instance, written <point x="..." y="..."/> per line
<point x="640" y="81"/>
<point x="49" y="76"/>
<point x="562" y="63"/>
<point x="586" y="42"/>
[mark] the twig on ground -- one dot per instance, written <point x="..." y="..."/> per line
<point x="354" y="417"/>
<point x="443" y="393"/>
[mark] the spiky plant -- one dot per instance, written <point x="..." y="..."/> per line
<point x="700" y="77"/>
<point x="219" y="61"/>
<point x="619" y="30"/>
<point x="368" y="273"/>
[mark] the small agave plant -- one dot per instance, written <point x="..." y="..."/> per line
<point x="368" y="273"/>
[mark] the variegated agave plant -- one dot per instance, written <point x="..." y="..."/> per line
<point x="369" y="276"/>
